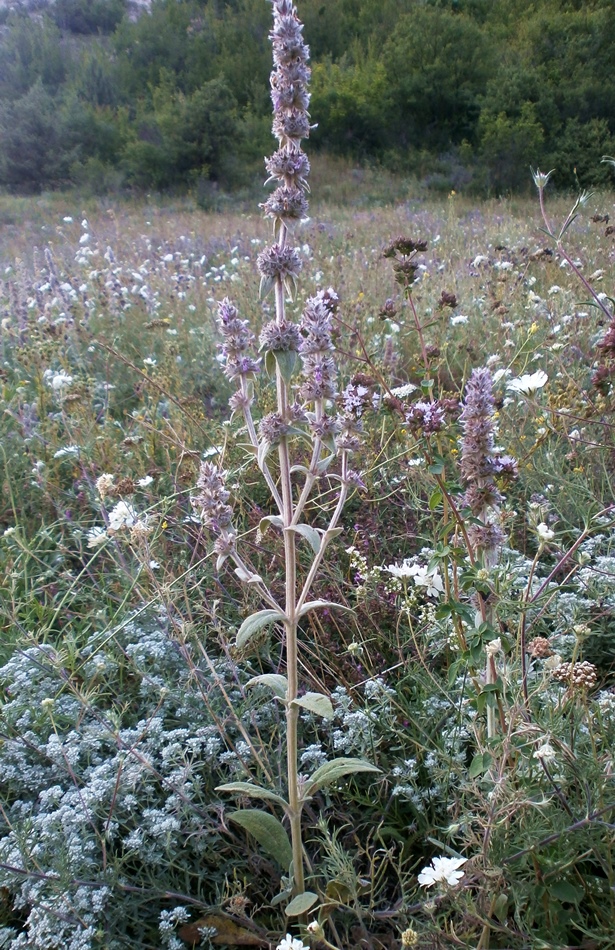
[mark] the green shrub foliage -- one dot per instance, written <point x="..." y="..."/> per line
<point x="426" y="88"/>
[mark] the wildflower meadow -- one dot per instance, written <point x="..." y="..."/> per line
<point x="307" y="564"/>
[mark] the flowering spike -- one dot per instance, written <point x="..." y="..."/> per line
<point x="480" y="463"/>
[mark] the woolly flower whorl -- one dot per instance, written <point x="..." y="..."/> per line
<point x="291" y="122"/>
<point x="477" y="461"/>
<point x="211" y="500"/>
<point x="237" y="339"/>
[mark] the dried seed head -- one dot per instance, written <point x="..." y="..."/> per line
<point x="539" y="648"/>
<point x="581" y="675"/>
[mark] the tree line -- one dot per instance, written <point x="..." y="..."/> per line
<point x="462" y="93"/>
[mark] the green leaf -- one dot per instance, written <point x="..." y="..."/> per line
<point x="268" y="831"/>
<point x="247" y="577"/>
<point x="565" y="891"/>
<point x="264" y="449"/>
<point x="337" y="768"/>
<point x="316" y="703"/>
<point x="270" y="363"/>
<point x="282" y="896"/>
<point x="276" y="520"/>
<point x="256" y="622"/>
<point x="480" y="763"/>
<point x="435" y="499"/>
<point x="324" y="464"/>
<point x="313" y="604"/>
<point x="277" y="683"/>
<point x="252" y="791"/>
<point x="301" y="904"/>
<point x="436" y="468"/>
<point x="286" y="360"/>
<point x="338" y="891"/>
<point x="311" y="535"/>
<point x="500" y="908"/>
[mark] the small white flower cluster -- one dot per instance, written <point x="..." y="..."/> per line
<point x="442" y="871"/>
<point x="424" y="577"/>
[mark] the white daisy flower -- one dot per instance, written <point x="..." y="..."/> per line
<point x="442" y="870"/>
<point x="528" y="384"/>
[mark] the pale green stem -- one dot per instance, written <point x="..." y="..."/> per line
<point x="290" y="624"/>
<point x="313" y="468"/>
<point x="254" y="440"/>
<point x="325" y="538"/>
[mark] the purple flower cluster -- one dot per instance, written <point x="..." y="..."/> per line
<point x="480" y="463"/>
<point x="319" y="366"/>
<point x="291" y="121"/>
<point x="238" y="339"/>
<point x="425" y="417"/>
<point x="278" y="263"/>
<point x="211" y="505"/>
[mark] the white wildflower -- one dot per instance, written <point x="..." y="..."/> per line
<point x="122" y="516"/>
<point x="291" y="943"/>
<point x="404" y="570"/>
<point x="494" y="647"/>
<point x="144" y="482"/>
<point x="430" y="580"/>
<point x="96" y="537"/>
<point x="66" y="451"/>
<point x="442" y="870"/>
<point x="529" y="383"/>
<point x="57" y="381"/>
<point x="406" y="390"/>
<point x="544" y="532"/>
<point x="546" y="752"/>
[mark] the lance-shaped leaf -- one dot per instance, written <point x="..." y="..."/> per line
<point x="268" y="831"/>
<point x="335" y="769"/>
<point x="277" y="683"/>
<point x="311" y="535"/>
<point x="286" y="360"/>
<point x="301" y="904"/>
<point x="247" y="577"/>
<point x="256" y="622"/>
<point x="252" y="791"/>
<point x="313" y="604"/>
<point x="276" y="520"/>
<point x="316" y="703"/>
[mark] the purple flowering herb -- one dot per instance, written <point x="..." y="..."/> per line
<point x="479" y="465"/>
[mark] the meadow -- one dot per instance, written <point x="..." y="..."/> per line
<point x="473" y="680"/>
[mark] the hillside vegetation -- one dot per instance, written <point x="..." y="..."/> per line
<point x="461" y="93"/>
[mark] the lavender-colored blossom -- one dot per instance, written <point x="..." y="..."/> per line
<point x="480" y="463"/>
<point x="272" y="428"/>
<point x="426" y="417"/>
<point x="280" y="337"/>
<point x="319" y="367"/>
<point x="287" y="204"/>
<point x="477" y="444"/>
<point x="277" y="263"/>
<point x="288" y="165"/>
<point x="325" y="427"/>
<point x="211" y="501"/>
<point x="237" y="339"/>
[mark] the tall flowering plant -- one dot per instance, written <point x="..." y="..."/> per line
<point x="300" y="358"/>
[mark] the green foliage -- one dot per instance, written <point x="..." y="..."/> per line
<point x="508" y="146"/>
<point x="88" y="16"/>
<point x="182" y="137"/>
<point x="461" y="94"/>
<point x="36" y="147"/>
